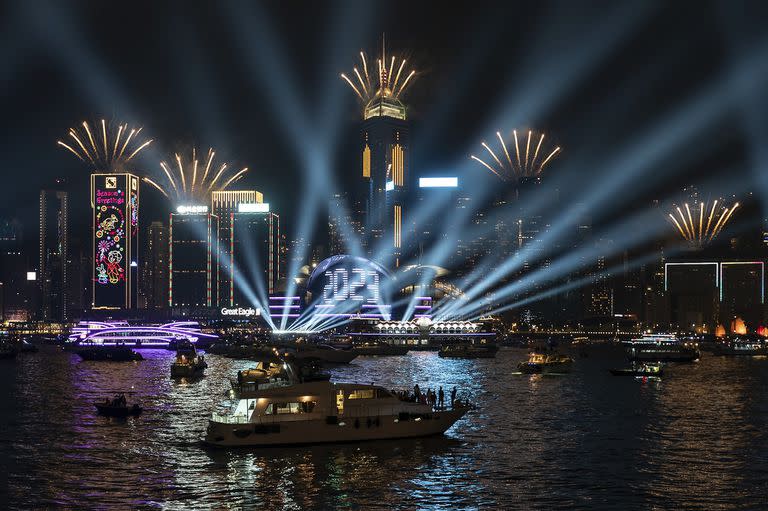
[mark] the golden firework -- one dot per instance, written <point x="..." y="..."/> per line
<point x="383" y="85"/>
<point x="531" y="155"/>
<point x="107" y="147"/>
<point x="192" y="180"/>
<point x="700" y="227"/>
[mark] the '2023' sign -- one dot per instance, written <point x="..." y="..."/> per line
<point x="357" y="284"/>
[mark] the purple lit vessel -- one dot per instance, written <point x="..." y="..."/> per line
<point x="121" y="333"/>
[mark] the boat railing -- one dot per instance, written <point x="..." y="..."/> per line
<point x="257" y="386"/>
<point x="229" y="419"/>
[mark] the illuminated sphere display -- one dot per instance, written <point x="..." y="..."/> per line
<point x="345" y="285"/>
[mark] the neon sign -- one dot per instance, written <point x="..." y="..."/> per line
<point x="356" y="284"/>
<point x="115" y="202"/>
<point x="240" y="311"/>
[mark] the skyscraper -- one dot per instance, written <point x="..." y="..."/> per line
<point x="155" y="271"/>
<point x="53" y="254"/>
<point x="224" y="204"/>
<point x="256" y="255"/>
<point x="17" y="286"/>
<point x="193" y="268"/>
<point x="115" y="205"/>
<point x="379" y="191"/>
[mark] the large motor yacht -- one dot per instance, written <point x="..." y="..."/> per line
<point x="321" y="412"/>
<point x="662" y="348"/>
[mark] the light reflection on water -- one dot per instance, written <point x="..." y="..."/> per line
<point x="697" y="439"/>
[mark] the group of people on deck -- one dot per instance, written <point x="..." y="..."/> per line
<point x="430" y="397"/>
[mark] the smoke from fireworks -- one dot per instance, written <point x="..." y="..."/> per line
<point x="383" y="85"/>
<point x="700" y="227"/>
<point x="194" y="180"/>
<point x="108" y="148"/>
<point x="528" y="157"/>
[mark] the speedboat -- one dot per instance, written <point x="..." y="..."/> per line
<point x="108" y="353"/>
<point x="662" y="348"/>
<point x="545" y="363"/>
<point x="467" y="350"/>
<point x="639" y="370"/>
<point x="324" y="412"/>
<point x="188" y="363"/>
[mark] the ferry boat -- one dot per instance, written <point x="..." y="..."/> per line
<point x="325" y="412"/>
<point x="114" y="333"/>
<point x="662" y="348"/>
<point x="545" y="363"/>
<point x="188" y="363"/>
<point x="744" y="346"/>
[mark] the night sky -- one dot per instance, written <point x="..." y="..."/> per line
<point x="681" y="84"/>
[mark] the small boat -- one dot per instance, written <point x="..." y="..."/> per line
<point x="545" y="363"/>
<point x="108" y="353"/>
<point x="639" y="370"/>
<point x="117" y="407"/>
<point x="188" y="363"/>
<point x="467" y="350"/>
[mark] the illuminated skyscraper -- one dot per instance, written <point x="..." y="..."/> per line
<point x="53" y="253"/>
<point x="115" y="205"/>
<point x="256" y="253"/>
<point x="193" y="268"/>
<point x="224" y="204"/>
<point x="380" y="190"/>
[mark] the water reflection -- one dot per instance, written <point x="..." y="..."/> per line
<point x="694" y="440"/>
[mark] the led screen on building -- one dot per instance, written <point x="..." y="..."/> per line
<point x="345" y="285"/>
<point x="115" y="203"/>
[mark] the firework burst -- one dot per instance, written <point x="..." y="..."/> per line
<point x="386" y="82"/>
<point x="529" y="156"/>
<point x="700" y="227"/>
<point x="107" y="147"/>
<point x="193" y="180"/>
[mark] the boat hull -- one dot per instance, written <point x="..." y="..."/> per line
<point x="187" y="371"/>
<point x="109" y="354"/>
<point x="557" y="367"/>
<point x="118" y="411"/>
<point x="331" y="430"/>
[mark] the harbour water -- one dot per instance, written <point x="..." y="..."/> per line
<point x="698" y="439"/>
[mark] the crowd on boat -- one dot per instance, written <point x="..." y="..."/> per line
<point x="436" y="399"/>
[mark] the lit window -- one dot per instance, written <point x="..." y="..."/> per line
<point x="361" y="394"/>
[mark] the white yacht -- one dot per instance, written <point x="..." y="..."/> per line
<point x="322" y="412"/>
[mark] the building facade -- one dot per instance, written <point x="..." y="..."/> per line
<point x="192" y="260"/>
<point x="115" y="243"/>
<point x="53" y="255"/>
